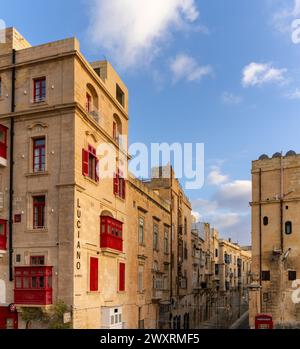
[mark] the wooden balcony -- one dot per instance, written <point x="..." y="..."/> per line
<point x="33" y="285"/>
<point x="111" y="234"/>
<point x="3" y="237"/>
<point x="109" y="241"/>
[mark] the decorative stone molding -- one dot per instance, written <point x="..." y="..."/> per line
<point x="93" y="135"/>
<point x="37" y="127"/>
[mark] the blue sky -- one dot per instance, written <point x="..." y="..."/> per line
<point x="222" y="72"/>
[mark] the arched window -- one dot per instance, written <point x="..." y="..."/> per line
<point x="117" y="128"/>
<point x="92" y="102"/>
<point x="288" y="228"/>
<point x="265" y="220"/>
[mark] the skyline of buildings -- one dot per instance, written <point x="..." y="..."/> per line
<point x="119" y="252"/>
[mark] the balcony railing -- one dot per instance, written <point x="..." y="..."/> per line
<point x="157" y="294"/>
<point x="33" y="285"/>
<point x="111" y="234"/>
<point x="33" y="297"/>
<point x="3" y="242"/>
<point x="196" y="285"/>
<point x="183" y="283"/>
<point x="3" y="235"/>
<point x="180" y="230"/>
<point x="3" y="153"/>
<point x="94" y="114"/>
<point x="38" y="99"/>
<point x="112" y="242"/>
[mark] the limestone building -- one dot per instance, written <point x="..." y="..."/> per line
<point x="149" y="257"/>
<point x="118" y="251"/>
<point x="275" y="225"/>
<point x="66" y="227"/>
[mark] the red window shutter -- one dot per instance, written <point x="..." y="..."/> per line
<point x="116" y="184"/>
<point x="85" y="162"/>
<point x="124" y="188"/>
<point x="97" y="170"/>
<point x="93" y="274"/>
<point x="122" y="277"/>
<point x="114" y="131"/>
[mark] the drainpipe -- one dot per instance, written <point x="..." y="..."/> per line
<point x="281" y="204"/>
<point x="11" y="166"/>
<point x="171" y="244"/>
<point x="260" y="235"/>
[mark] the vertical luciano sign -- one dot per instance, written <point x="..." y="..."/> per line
<point x="78" y="236"/>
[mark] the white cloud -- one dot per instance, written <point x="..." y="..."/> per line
<point x="230" y="223"/>
<point x="228" y="207"/>
<point x="215" y="177"/>
<point x="185" y="67"/>
<point x="205" y="208"/>
<point x="196" y="216"/>
<point x="226" y="220"/>
<point x="234" y="195"/>
<point x="134" y="30"/>
<point x="2" y="31"/>
<point x="231" y="99"/>
<point x="282" y="19"/>
<point x="235" y="226"/>
<point x="294" y="94"/>
<point x="257" y="74"/>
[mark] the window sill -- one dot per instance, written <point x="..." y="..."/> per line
<point x="90" y="293"/>
<point x="40" y="230"/>
<point x="91" y="180"/>
<point x="37" y="174"/>
<point x="120" y="198"/>
<point x="38" y="103"/>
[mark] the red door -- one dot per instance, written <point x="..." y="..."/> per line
<point x="8" y="319"/>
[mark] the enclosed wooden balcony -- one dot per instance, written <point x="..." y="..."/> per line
<point x="3" y="237"/>
<point x="33" y="285"/>
<point x="111" y="237"/>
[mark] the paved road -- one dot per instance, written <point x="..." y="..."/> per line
<point x="242" y="323"/>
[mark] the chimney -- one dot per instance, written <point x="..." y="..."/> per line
<point x="12" y="39"/>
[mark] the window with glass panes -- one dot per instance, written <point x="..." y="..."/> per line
<point x="39" y="154"/>
<point x="37" y="260"/>
<point x="141" y="230"/>
<point x="39" y="89"/>
<point x="155" y="236"/>
<point x="166" y="240"/>
<point x="39" y="203"/>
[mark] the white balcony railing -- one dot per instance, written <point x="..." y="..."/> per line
<point x="157" y="294"/>
<point x="94" y="113"/>
<point x="38" y="99"/>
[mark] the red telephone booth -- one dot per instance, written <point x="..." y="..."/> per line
<point x="264" y="322"/>
<point x="8" y="318"/>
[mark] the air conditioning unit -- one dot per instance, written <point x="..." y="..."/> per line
<point x="111" y="318"/>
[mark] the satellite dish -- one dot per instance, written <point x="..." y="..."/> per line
<point x="263" y="157"/>
<point x="291" y="153"/>
<point x="276" y="155"/>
